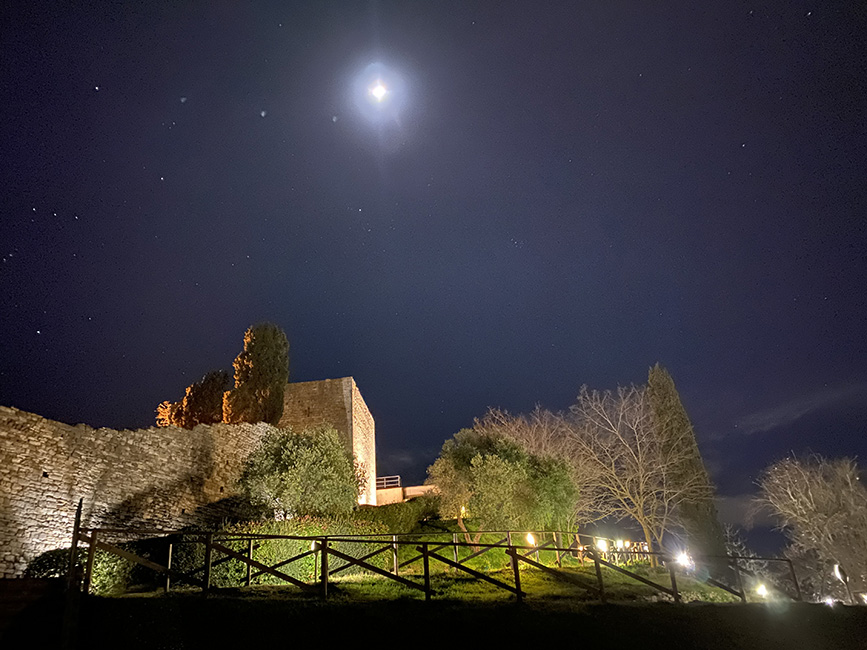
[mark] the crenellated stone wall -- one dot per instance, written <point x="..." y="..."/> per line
<point x="164" y="478"/>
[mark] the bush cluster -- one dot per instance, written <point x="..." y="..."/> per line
<point x="189" y="554"/>
<point x="398" y="518"/>
<point x="111" y="574"/>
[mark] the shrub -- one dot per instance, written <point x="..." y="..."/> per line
<point x="398" y="518"/>
<point x="111" y="574"/>
<point x="189" y="556"/>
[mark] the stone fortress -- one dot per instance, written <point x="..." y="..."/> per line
<point x="160" y="478"/>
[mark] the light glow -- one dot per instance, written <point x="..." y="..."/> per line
<point x="762" y="591"/>
<point x="619" y="543"/>
<point x="530" y="539"/>
<point x="683" y="559"/>
<point x="379" y="91"/>
<point x="602" y="545"/>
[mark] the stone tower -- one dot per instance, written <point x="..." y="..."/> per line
<point x="337" y="402"/>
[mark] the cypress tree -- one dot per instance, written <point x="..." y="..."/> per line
<point x="202" y="404"/>
<point x="697" y="515"/>
<point x="261" y="375"/>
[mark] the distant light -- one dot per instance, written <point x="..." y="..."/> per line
<point x="684" y="560"/>
<point x="379" y="91"/>
<point x="619" y="543"/>
<point x="762" y="591"/>
<point x="829" y="601"/>
<point x="530" y="539"/>
<point x="602" y="545"/>
<point x="864" y="597"/>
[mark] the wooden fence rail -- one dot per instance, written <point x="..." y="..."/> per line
<point x="329" y="560"/>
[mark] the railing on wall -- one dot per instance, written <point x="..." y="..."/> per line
<point x="383" y="482"/>
<point x="333" y="554"/>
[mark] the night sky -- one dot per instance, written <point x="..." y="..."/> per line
<point x="550" y="195"/>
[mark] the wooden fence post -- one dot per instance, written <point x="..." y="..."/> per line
<point x="516" y="570"/>
<point x="324" y="548"/>
<point x="168" y="584"/>
<point x="395" y="561"/>
<point x="88" y="569"/>
<point x="69" y="629"/>
<point x="209" y="539"/>
<point x="72" y="564"/>
<point x="670" y="564"/>
<point x="557" y="539"/>
<point x="798" y="596"/>
<point x="599" y="575"/>
<point x="249" y="557"/>
<point x="738" y="581"/>
<point x="455" y="546"/>
<point x="426" y="562"/>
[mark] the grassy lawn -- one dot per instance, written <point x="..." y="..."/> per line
<point x="365" y="610"/>
<point x="231" y="621"/>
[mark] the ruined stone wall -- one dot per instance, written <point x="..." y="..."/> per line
<point x="162" y="478"/>
<point x="337" y="402"/>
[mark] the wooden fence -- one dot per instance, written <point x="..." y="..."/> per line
<point x="425" y="551"/>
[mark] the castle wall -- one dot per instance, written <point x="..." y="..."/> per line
<point x="364" y="443"/>
<point x="336" y="402"/>
<point x="163" y="478"/>
<point x="316" y="403"/>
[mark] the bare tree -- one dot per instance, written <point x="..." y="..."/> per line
<point x="822" y="506"/>
<point x="541" y="433"/>
<point x="631" y="471"/>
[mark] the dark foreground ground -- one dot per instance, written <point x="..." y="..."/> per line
<point x="230" y="621"/>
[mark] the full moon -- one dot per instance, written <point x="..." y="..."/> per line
<point x="379" y="91"/>
<point x="380" y="94"/>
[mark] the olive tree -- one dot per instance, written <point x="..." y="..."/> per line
<point x="483" y="475"/>
<point x="311" y="472"/>
<point x="821" y="505"/>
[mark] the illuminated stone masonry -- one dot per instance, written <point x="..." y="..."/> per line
<point x="337" y="402"/>
<point x="164" y="478"/>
